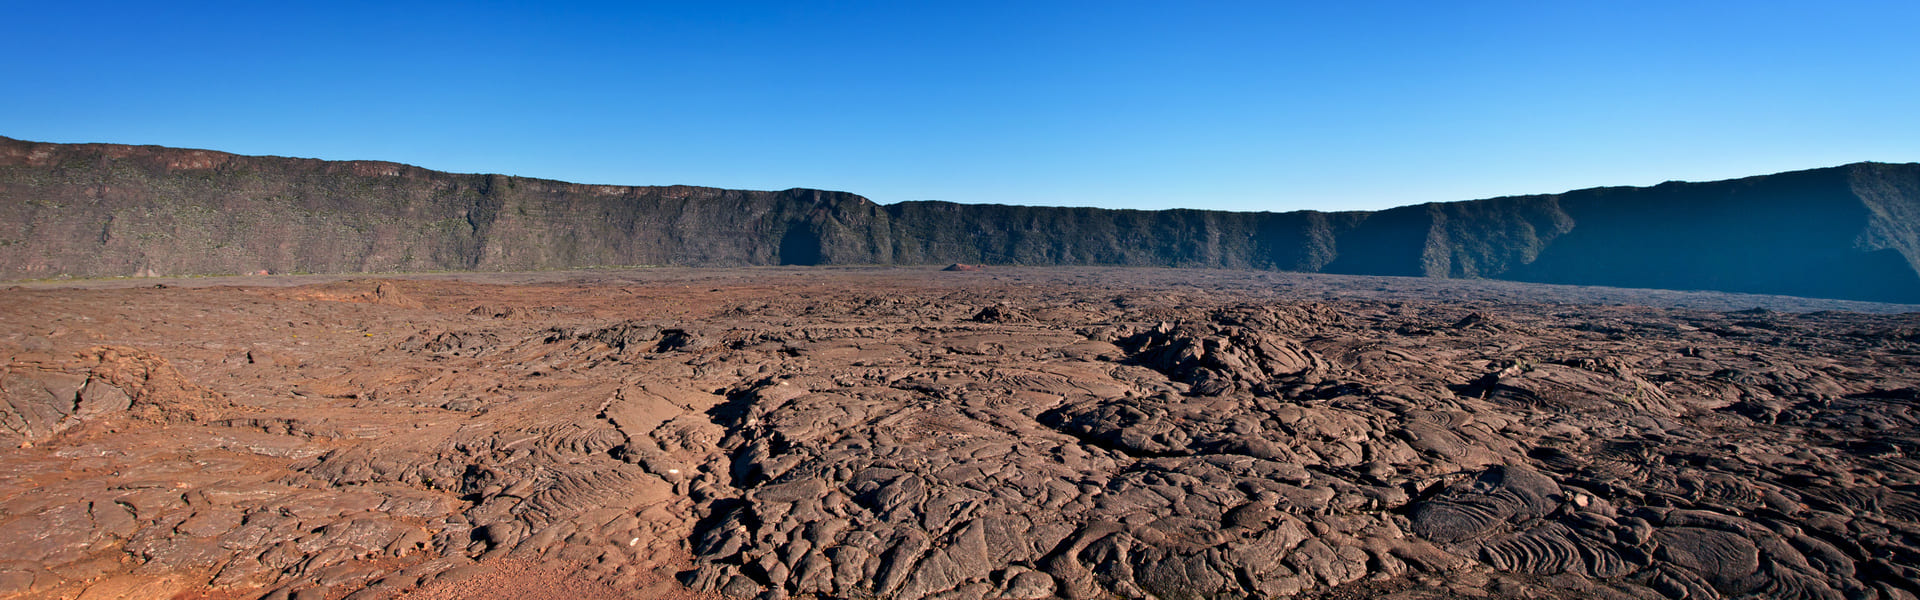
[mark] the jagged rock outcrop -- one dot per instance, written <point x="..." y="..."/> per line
<point x="100" y="210"/>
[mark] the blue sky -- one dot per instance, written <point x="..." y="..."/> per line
<point x="1221" y="105"/>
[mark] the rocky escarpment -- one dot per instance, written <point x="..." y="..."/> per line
<point x="96" y="210"/>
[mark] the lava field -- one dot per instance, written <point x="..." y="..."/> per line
<point x="908" y="433"/>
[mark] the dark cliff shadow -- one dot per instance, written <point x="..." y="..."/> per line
<point x="1796" y="234"/>
<point x="800" y="246"/>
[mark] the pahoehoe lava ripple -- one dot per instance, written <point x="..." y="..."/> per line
<point x="913" y="434"/>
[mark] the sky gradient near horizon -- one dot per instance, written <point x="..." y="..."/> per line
<point x="1219" y="105"/>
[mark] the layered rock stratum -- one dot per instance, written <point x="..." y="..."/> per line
<point x="923" y="434"/>
<point x="100" y="210"/>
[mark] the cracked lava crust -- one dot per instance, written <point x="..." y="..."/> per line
<point x="914" y="434"/>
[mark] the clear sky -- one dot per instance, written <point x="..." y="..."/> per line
<point x="1222" y="105"/>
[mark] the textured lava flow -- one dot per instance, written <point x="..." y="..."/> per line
<point x="1076" y="433"/>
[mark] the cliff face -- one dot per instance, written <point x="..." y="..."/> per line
<point x="102" y="210"/>
<point x="97" y="210"/>
<point x="1806" y="233"/>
